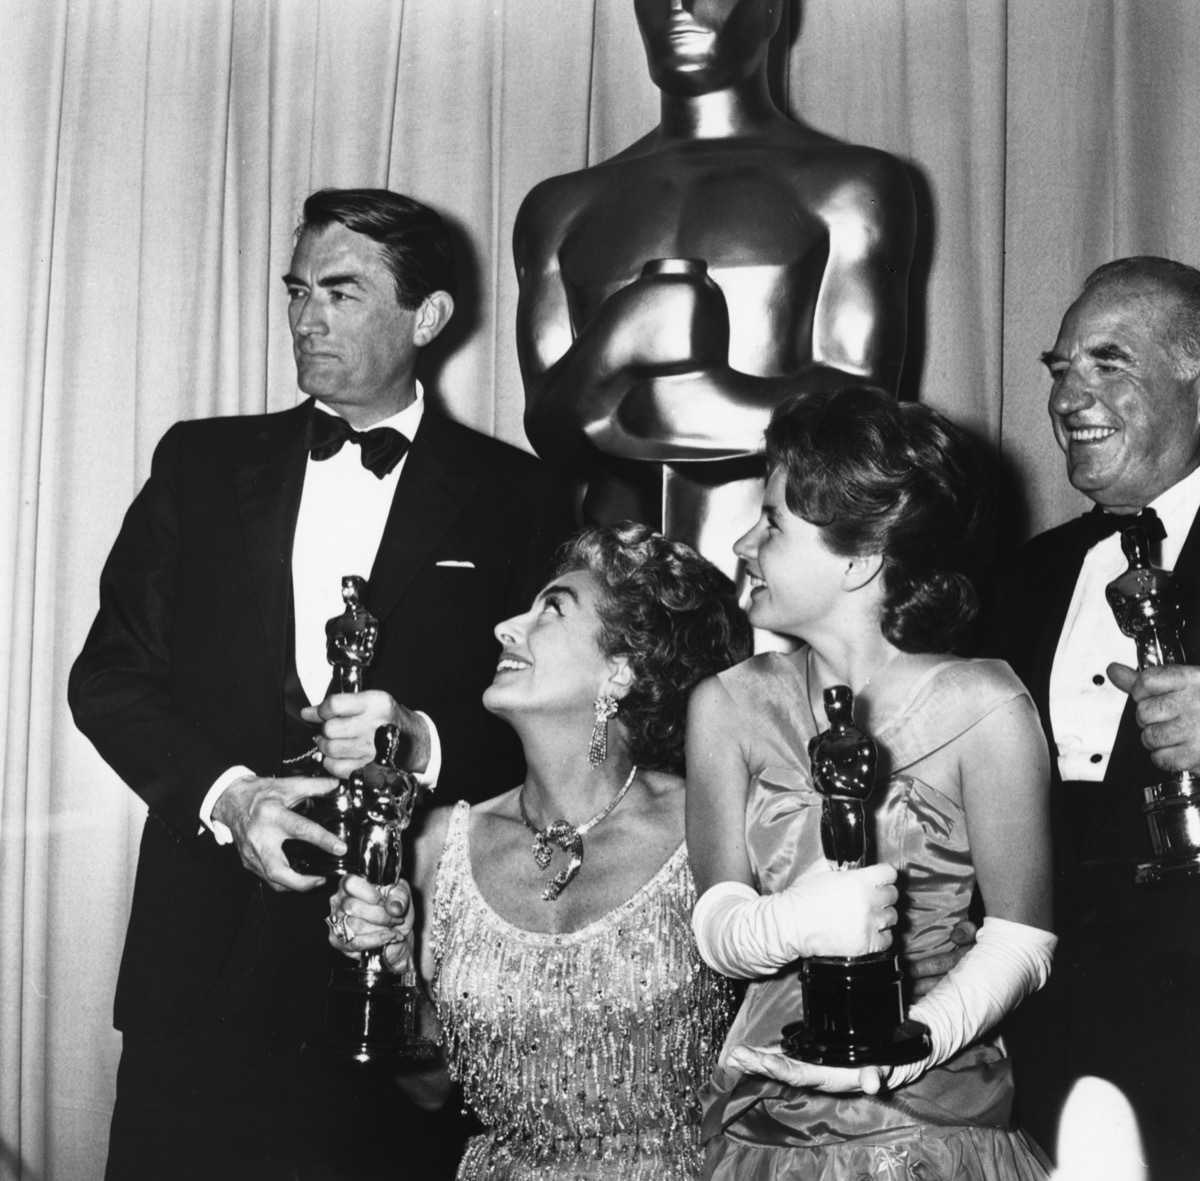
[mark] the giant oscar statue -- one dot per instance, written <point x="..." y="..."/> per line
<point x="673" y="295"/>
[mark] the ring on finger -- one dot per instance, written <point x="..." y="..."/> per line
<point x="339" y="928"/>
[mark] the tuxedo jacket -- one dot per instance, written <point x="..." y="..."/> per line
<point x="1025" y="607"/>
<point x="184" y="671"/>
<point x="1123" y="1000"/>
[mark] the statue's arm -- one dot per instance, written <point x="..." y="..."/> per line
<point x="563" y="396"/>
<point x="576" y="375"/>
<point x="860" y="324"/>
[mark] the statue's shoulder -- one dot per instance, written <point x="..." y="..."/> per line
<point x="838" y="161"/>
<point x="551" y="206"/>
<point x="569" y="189"/>
<point x="839" y="177"/>
<point x="870" y="166"/>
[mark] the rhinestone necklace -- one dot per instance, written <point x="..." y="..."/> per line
<point x="568" y="837"/>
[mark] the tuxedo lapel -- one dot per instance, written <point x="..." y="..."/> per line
<point x="1129" y="769"/>
<point x="267" y="486"/>
<point x="435" y="485"/>
<point x="1187" y="574"/>
<point x="1055" y="596"/>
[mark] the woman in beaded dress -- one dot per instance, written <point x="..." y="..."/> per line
<point x="865" y="519"/>
<point x="573" y="1007"/>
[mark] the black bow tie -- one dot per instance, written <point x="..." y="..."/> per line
<point x="1100" y="523"/>
<point x="382" y="447"/>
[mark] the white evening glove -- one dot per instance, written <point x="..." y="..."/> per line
<point x="743" y="934"/>
<point x="1009" y="962"/>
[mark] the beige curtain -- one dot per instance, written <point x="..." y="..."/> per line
<point x="153" y="155"/>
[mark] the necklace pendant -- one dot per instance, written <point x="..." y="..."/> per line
<point x="557" y="884"/>
<point x="541" y="850"/>
<point x="568" y="839"/>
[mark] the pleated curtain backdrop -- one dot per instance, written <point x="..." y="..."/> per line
<point x="153" y="158"/>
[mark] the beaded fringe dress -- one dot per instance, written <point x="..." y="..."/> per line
<point x="582" y="1053"/>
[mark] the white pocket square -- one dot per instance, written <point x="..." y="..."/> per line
<point x="457" y="565"/>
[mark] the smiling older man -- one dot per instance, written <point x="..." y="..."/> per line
<point x="1124" y="1001"/>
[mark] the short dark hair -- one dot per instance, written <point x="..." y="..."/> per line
<point x="879" y="476"/>
<point x="1177" y="279"/>
<point x="673" y="614"/>
<point x="417" y="246"/>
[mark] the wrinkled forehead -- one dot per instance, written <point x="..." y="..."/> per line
<point x="1142" y="309"/>
<point x="335" y="248"/>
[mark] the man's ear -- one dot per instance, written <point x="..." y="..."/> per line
<point x="620" y="677"/>
<point x="432" y="316"/>
<point x="861" y="571"/>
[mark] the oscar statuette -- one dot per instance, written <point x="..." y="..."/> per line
<point x="853" y="1005"/>
<point x="371" y="1011"/>
<point x="350" y="640"/>
<point x="1147" y="607"/>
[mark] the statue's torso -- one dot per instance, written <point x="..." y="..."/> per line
<point x="758" y="214"/>
<point x="764" y="214"/>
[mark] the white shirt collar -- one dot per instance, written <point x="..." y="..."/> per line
<point x="1177" y="508"/>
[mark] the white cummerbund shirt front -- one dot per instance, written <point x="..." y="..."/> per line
<point x="1085" y="706"/>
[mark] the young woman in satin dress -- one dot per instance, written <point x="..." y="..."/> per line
<point x="857" y="553"/>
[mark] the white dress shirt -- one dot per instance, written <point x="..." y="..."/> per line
<point x="343" y="510"/>
<point x="1085" y="706"/>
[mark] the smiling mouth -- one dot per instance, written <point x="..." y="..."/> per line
<point x="1088" y="434"/>
<point x="510" y="664"/>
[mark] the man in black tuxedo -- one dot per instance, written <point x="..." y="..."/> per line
<point x="205" y="672"/>
<point x="1124" y="999"/>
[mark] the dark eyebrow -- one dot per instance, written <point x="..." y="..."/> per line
<point x="560" y="589"/>
<point x="348" y="280"/>
<point x="1110" y="352"/>
<point x="1100" y="352"/>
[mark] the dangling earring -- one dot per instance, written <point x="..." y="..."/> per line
<point x="605" y="707"/>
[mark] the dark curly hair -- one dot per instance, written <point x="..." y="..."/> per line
<point x="673" y="614"/>
<point x="885" y="477"/>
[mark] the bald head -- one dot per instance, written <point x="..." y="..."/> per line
<point x="1167" y="290"/>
